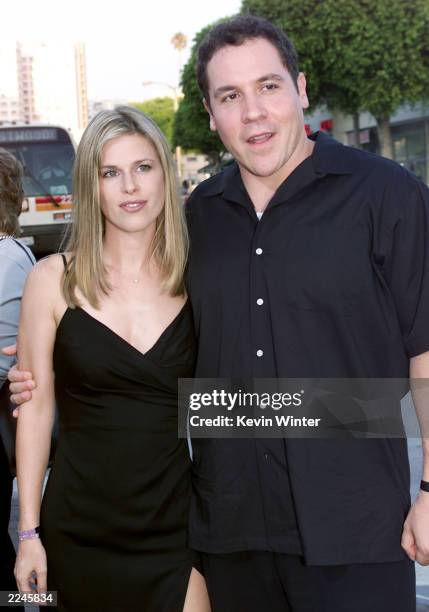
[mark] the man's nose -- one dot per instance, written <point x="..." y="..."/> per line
<point x="253" y="108"/>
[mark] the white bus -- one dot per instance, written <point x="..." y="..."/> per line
<point x="47" y="155"/>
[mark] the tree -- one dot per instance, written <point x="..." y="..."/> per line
<point x="297" y="20"/>
<point x="161" y="110"/>
<point x="360" y="54"/>
<point x="179" y="42"/>
<point x="191" y="123"/>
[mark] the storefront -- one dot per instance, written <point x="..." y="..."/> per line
<point x="409" y="129"/>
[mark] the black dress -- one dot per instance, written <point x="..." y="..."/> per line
<point x="115" y="510"/>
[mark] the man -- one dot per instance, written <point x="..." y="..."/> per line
<point x="308" y="259"/>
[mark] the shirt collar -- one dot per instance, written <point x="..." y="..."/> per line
<point x="228" y="182"/>
<point x="328" y="157"/>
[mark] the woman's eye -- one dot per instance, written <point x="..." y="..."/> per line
<point x="144" y="167"/>
<point x="108" y="173"/>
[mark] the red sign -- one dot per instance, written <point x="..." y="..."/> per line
<point x="326" y="125"/>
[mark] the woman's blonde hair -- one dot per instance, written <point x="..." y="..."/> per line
<point x="169" y="246"/>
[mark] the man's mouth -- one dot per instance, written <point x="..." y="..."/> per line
<point x="260" y="138"/>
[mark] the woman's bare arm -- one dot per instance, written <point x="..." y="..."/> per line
<point x="36" y="339"/>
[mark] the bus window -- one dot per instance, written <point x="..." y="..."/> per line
<point x="47" y="156"/>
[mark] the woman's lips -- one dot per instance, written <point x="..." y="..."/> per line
<point x="133" y="206"/>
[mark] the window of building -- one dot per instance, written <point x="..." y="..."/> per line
<point x="410" y="148"/>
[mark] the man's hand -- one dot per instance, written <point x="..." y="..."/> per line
<point x="415" y="535"/>
<point x="21" y="382"/>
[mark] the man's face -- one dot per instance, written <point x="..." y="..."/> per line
<point x="256" y="108"/>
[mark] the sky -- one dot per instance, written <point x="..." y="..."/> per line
<point x="127" y="41"/>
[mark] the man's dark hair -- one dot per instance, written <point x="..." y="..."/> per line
<point x="237" y="31"/>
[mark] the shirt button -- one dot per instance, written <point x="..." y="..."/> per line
<point x="259" y="251"/>
<point x="260" y="301"/>
<point x="259" y="353"/>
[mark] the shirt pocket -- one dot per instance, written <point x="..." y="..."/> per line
<point x="325" y="269"/>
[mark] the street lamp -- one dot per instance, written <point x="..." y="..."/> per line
<point x="177" y="94"/>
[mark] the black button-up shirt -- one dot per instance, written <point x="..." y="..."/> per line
<point x="333" y="281"/>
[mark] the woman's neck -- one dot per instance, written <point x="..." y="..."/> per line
<point x="128" y="253"/>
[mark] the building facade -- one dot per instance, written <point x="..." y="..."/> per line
<point x="9" y="108"/>
<point x="52" y="84"/>
<point x="95" y="106"/>
<point x="409" y="130"/>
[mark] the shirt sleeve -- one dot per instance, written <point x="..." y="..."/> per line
<point x="12" y="280"/>
<point x="406" y="265"/>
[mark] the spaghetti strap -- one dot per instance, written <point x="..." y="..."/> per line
<point x="64" y="261"/>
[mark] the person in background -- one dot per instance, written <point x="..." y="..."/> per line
<point x="16" y="261"/>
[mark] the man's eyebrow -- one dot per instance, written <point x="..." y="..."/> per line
<point x="223" y="89"/>
<point x="271" y="76"/>
<point x="138" y="161"/>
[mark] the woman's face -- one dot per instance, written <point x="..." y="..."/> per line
<point x="132" y="190"/>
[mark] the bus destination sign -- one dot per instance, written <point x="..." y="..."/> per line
<point x="27" y="134"/>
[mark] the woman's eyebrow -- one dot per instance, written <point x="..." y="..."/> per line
<point x="138" y="161"/>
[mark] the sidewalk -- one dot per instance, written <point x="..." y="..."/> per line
<point x="422" y="599"/>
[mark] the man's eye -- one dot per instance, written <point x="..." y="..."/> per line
<point x="230" y="97"/>
<point x="270" y="86"/>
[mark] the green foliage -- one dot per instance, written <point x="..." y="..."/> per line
<point x="191" y="125"/>
<point x="297" y="19"/>
<point x="380" y="56"/>
<point x="358" y="55"/>
<point x="161" y="110"/>
<point x="368" y="55"/>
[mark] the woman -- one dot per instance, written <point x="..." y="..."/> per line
<point x="113" y="333"/>
<point x="16" y="261"/>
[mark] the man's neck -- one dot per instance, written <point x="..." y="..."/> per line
<point x="262" y="188"/>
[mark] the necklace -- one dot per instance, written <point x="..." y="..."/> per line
<point x="127" y="281"/>
<point x="4" y="236"/>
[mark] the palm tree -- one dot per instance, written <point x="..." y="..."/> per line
<point x="179" y="42"/>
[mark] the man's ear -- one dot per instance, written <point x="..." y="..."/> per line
<point x="212" y="121"/>
<point x="302" y="90"/>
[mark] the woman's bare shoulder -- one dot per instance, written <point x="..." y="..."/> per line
<point x="52" y="263"/>
<point x="48" y="272"/>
